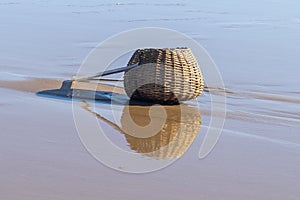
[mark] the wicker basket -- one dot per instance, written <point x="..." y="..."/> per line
<point x="164" y="76"/>
<point x="175" y="137"/>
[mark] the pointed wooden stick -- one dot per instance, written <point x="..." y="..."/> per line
<point x="105" y="73"/>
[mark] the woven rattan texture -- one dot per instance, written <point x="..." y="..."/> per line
<point x="164" y="76"/>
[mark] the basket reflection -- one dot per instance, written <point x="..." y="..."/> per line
<point x="180" y="128"/>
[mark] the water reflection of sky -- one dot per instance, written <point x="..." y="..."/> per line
<point x="251" y="41"/>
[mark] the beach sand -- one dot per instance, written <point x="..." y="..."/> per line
<point x="255" y="45"/>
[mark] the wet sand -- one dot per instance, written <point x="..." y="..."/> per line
<point x="42" y="157"/>
<point x="257" y="156"/>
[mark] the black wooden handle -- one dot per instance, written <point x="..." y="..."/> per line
<point x="105" y="73"/>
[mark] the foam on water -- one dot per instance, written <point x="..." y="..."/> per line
<point x="9" y="76"/>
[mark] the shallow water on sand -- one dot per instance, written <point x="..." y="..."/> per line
<point x="255" y="45"/>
